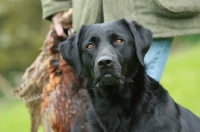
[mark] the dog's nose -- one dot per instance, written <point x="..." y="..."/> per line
<point x="105" y="61"/>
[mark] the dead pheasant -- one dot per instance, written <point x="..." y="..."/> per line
<point x="52" y="92"/>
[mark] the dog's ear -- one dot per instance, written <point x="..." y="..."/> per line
<point x="70" y="52"/>
<point x="142" y="38"/>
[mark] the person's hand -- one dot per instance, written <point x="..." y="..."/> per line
<point x="61" y="21"/>
<point x="57" y="25"/>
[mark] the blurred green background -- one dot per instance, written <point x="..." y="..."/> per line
<point x="22" y="32"/>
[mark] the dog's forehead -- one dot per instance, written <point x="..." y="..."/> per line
<point x="106" y="28"/>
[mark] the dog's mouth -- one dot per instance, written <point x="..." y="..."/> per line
<point x="109" y="80"/>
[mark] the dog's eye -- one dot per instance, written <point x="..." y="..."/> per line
<point x="90" y="46"/>
<point x="119" y="41"/>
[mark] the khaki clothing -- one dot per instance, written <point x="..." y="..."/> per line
<point x="165" y="18"/>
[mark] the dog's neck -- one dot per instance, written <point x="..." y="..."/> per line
<point x="119" y="105"/>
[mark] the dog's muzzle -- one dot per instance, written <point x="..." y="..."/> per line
<point x="107" y="71"/>
<point x="105" y="63"/>
<point x="108" y="79"/>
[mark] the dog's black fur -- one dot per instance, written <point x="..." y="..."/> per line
<point x="123" y="97"/>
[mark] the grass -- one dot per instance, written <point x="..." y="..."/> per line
<point x="14" y="117"/>
<point x="181" y="78"/>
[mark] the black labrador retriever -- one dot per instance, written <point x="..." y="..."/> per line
<point x="123" y="98"/>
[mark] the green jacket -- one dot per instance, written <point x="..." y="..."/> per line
<point x="165" y="18"/>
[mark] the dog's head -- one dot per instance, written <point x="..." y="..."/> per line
<point x="107" y="52"/>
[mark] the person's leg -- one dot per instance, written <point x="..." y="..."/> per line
<point x="156" y="58"/>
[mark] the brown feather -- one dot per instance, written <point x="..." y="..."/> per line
<point x="51" y="90"/>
